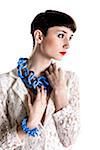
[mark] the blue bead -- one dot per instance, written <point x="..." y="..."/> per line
<point x="29" y="78"/>
<point x="33" y="132"/>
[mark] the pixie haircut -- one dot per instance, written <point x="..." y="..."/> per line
<point x="50" y="18"/>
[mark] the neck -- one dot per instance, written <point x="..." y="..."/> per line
<point x="38" y="63"/>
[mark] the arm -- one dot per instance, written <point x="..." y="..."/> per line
<point x="67" y="118"/>
<point x="13" y="137"/>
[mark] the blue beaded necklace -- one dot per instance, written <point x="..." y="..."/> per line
<point x="29" y="78"/>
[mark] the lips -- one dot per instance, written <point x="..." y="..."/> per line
<point x="63" y="53"/>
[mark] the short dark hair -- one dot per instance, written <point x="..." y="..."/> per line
<point x="51" y="18"/>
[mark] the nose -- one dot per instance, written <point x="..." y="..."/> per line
<point x="66" y="45"/>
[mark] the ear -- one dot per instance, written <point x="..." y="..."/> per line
<point x="38" y="35"/>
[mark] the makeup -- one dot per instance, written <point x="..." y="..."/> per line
<point x="63" y="53"/>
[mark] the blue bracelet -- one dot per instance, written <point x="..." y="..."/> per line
<point x="34" y="132"/>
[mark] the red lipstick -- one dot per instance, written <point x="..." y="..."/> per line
<point x="63" y="53"/>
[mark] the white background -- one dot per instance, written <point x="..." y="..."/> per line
<point x="83" y="57"/>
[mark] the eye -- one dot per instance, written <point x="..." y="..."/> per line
<point x="60" y="35"/>
<point x="70" y="38"/>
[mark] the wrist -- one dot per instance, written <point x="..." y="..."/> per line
<point x="31" y="124"/>
<point x="31" y="131"/>
<point x="59" y="91"/>
<point x="60" y="99"/>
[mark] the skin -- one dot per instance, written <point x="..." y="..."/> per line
<point x="47" y="48"/>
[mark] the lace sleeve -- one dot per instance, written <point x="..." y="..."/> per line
<point x="8" y="136"/>
<point x="67" y="120"/>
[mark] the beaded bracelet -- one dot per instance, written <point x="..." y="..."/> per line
<point x="34" y="132"/>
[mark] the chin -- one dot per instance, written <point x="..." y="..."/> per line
<point x="59" y="58"/>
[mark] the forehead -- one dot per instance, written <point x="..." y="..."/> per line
<point x="60" y="29"/>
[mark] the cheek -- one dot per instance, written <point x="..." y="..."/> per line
<point x="51" y="46"/>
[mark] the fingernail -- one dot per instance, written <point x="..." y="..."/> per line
<point x="45" y="91"/>
<point x="42" y="86"/>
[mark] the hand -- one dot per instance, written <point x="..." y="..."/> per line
<point x="58" y="81"/>
<point x="56" y="77"/>
<point x="37" y="109"/>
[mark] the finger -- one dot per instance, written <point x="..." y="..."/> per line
<point x="38" y="91"/>
<point x="29" y="101"/>
<point x="47" y="73"/>
<point x="50" y="68"/>
<point x="59" y="69"/>
<point x="61" y="72"/>
<point x="31" y="94"/>
<point x="55" y="68"/>
<point x="43" y="96"/>
<point x="43" y="91"/>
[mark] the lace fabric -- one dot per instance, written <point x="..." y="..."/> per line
<point x="60" y="129"/>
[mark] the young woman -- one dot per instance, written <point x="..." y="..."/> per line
<point x="39" y="102"/>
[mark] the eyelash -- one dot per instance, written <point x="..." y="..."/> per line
<point x="70" y="38"/>
<point x="60" y="35"/>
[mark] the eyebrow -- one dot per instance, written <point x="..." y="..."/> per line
<point x="64" y="32"/>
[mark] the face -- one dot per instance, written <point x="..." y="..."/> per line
<point x="56" y="42"/>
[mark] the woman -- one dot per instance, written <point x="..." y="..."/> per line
<point x="39" y="102"/>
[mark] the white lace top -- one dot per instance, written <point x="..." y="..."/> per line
<point x="59" y="130"/>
